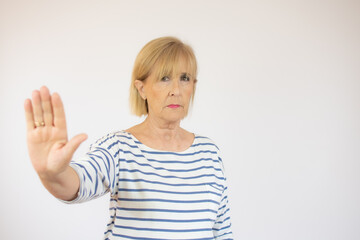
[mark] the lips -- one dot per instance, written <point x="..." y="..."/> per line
<point x="173" y="106"/>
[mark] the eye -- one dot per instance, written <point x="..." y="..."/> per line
<point x="165" y="79"/>
<point x="185" y="77"/>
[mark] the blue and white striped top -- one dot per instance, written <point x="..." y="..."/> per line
<point x="157" y="194"/>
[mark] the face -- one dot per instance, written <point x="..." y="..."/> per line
<point x="168" y="97"/>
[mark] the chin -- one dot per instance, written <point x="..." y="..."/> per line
<point x="174" y="117"/>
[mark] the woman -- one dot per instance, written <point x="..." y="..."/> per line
<point x="164" y="182"/>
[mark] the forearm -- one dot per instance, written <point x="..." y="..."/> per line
<point x="65" y="186"/>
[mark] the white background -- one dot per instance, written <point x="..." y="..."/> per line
<point x="278" y="91"/>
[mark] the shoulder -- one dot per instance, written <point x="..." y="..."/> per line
<point x="114" y="144"/>
<point x="111" y="139"/>
<point x="203" y="141"/>
<point x="207" y="144"/>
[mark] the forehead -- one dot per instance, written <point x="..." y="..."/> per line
<point x="174" y="66"/>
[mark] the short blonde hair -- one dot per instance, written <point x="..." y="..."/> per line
<point x="164" y="53"/>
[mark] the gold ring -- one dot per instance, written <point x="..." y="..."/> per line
<point x="39" y="124"/>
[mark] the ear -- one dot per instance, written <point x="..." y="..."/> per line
<point x="140" y="87"/>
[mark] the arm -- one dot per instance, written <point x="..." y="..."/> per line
<point x="97" y="169"/>
<point x="222" y="225"/>
<point x="49" y="149"/>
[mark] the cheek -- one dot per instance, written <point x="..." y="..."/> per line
<point x="157" y="97"/>
<point x="159" y="90"/>
<point x="188" y="91"/>
<point x="160" y="86"/>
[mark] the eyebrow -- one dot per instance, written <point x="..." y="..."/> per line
<point x="186" y="74"/>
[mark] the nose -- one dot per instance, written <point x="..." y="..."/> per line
<point x="175" y="88"/>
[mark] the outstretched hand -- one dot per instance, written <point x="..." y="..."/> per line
<point x="49" y="149"/>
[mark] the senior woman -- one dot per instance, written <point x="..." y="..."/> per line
<point x="164" y="182"/>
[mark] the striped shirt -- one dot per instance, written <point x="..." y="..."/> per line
<point x="157" y="194"/>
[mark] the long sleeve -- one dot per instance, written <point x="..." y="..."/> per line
<point x="222" y="226"/>
<point x="96" y="171"/>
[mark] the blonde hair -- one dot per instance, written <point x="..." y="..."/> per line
<point x="164" y="53"/>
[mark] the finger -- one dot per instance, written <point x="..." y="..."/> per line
<point x="29" y="116"/>
<point x="46" y="106"/>
<point x="37" y="108"/>
<point x="58" y="109"/>
<point x="73" y="144"/>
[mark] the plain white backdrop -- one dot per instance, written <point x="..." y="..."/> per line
<point x="278" y="91"/>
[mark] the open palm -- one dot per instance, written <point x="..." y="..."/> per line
<point x="49" y="149"/>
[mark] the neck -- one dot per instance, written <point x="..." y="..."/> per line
<point x="162" y="129"/>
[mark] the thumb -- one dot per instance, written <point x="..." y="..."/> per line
<point x="73" y="144"/>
